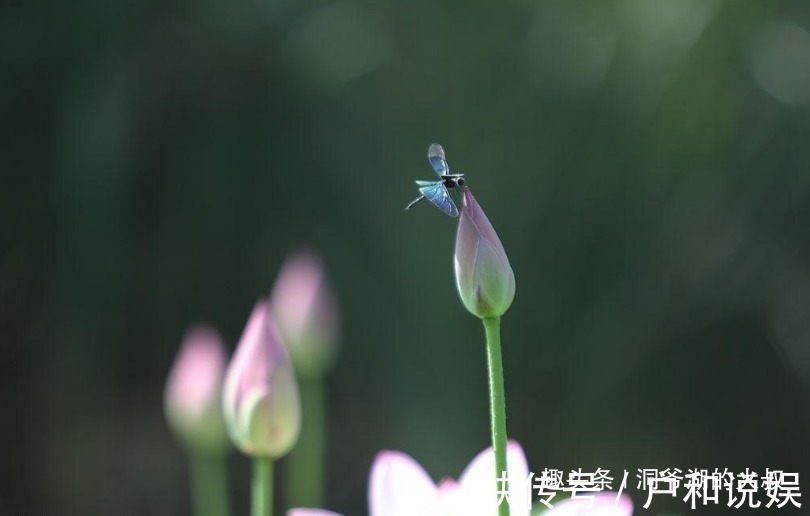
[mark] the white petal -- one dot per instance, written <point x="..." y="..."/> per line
<point x="478" y="482"/>
<point x="603" y="505"/>
<point x="399" y="486"/>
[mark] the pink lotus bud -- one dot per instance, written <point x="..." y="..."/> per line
<point x="193" y="396"/>
<point x="484" y="277"/>
<point x="261" y="403"/>
<point x="306" y="313"/>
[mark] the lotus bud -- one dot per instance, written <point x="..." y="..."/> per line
<point x="484" y="278"/>
<point x="261" y="401"/>
<point x="193" y="395"/>
<point x="305" y="310"/>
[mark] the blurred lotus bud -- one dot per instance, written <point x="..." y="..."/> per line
<point x="193" y="396"/>
<point x="305" y="310"/>
<point x="261" y="402"/>
<point x="484" y="277"/>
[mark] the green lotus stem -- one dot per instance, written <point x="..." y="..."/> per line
<point x="497" y="400"/>
<point x="209" y="485"/>
<point x="262" y="503"/>
<point x="305" y="466"/>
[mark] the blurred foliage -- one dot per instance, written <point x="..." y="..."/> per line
<point x="645" y="163"/>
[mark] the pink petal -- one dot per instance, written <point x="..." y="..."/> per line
<point x="399" y="486"/>
<point x="448" y="485"/>
<point x="479" y="220"/>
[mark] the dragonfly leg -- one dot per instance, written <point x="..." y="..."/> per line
<point x="415" y="202"/>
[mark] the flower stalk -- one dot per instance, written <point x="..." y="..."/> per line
<point x="497" y="400"/>
<point x="262" y="488"/>
<point x="305" y="465"/>
<point x="209" y="485"/>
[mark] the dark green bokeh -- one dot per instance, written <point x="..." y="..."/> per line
<point x="645" y="163"/>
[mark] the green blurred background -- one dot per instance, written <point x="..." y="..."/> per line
<point x="646" y="164"/>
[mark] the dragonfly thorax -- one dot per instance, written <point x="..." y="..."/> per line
<point x="453" y="181"/>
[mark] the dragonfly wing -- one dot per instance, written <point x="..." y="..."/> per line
<point x="437" y="160"/>
<point x="437" y="194"/>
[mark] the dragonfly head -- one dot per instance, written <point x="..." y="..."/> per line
<point x="460" y="181"/>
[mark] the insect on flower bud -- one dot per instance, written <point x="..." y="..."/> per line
<point x="261" y="402"/>
<point x="193" y="396"/>
<point x="304" y="308"/>
<point x="485" y="281"/>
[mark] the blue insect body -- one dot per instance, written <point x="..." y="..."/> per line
<point x="437" y="191"/>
